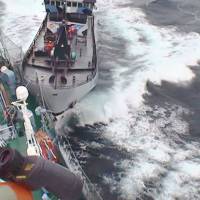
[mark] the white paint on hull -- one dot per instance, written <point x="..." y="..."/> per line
<point x="59" y="100"/>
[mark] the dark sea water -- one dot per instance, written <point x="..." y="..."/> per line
<point x="137" y="134"/>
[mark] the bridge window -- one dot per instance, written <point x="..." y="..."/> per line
<point x="80" y="5"/>
<point x="57" y="3"/>
<point x="74" y="4"/>
<point x="91" y="5"/>
<point x="52" y="3"/>
<point x="86" y="5"/>
<point x="69" y="3"/>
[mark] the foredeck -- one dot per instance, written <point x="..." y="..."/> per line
<point x="83" y="51"/>
<point x="77" y="72"/>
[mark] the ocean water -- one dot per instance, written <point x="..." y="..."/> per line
<point x="137" y="133"/>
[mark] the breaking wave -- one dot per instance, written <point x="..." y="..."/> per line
<point x="132" y="51"/>
<point x="164" y="164"/>
<point x="149" y="53"/>
<point x="21" y="20"/>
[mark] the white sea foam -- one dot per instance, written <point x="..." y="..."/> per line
<point x="159" y="154"/>
<point x="22" y="20"/>
<point x="157" y="54"/>
<point x="165" y="161"/>
<point x="24" y="8"/>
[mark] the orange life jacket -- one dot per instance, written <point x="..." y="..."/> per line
<point x="13" y="191"/>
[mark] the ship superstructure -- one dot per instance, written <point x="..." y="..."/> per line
<point x="61" y="62"/>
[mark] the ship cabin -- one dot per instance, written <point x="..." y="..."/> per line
<point x="70" y="10"/>
<point x="72" y="5"/>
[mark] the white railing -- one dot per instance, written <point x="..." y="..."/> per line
<point x="89" y="190"/>
<point x="7" y="133"/>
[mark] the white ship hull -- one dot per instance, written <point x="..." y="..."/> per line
<point x="59" y="100"/>
<point x="65" y="76"/>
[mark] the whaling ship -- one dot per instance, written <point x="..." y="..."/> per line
<point x="61" y="62"/>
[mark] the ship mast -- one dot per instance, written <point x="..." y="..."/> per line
<point x="33" y="148"/>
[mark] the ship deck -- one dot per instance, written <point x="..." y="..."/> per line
<point x="20" y="144"/>
<point x="76" y="73"/>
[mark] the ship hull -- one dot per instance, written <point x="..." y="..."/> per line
<point x="59" y="100"/>
<point x="72" y="80"/>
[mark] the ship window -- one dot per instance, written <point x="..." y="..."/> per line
<point x="90" y="5"/>
<point x="57" y="3"/>
<point x="86" y="4"/>
<point x="74" y="4"/>
<point x="80" y="5"/>
<point x="47" y="2"/>
<point x="69" y="3"/>
<point x="52" y="3"/>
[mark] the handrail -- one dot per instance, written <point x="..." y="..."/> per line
<point x="12" y="129"/>
<point x="89" y="189"/>
<point x="94" y="42"/>
<point x="2" y="142"/>
<point x="4" y="129"/>
<point x="71" y="161"/>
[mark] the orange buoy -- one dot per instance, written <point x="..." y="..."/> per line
<point x="13" y="191"/>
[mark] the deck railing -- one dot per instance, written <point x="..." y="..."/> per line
<point x="7" y="133"/>
<point x="89" y="190"/>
